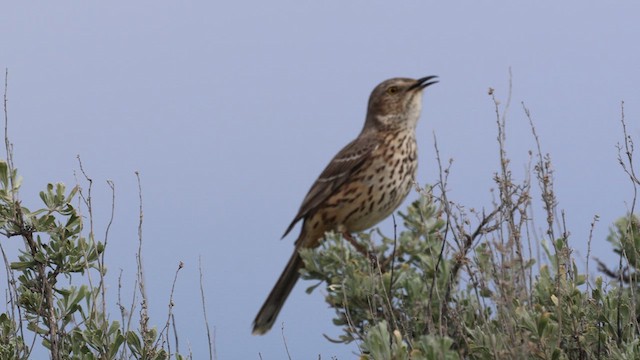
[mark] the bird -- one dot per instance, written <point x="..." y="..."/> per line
<point x="363" y="184"/>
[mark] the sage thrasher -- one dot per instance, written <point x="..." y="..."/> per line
<point x="364" y="183"/>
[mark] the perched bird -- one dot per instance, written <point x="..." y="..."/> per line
<point x="363" y="184"/>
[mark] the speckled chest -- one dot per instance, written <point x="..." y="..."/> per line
<point x="384" y="183"/>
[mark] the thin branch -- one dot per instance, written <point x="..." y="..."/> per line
<point x="284" y="340"/>
<point x="596" y="218"/>
<point x="7" y="143"/>
<point x="170" y="314"/>
<point x="106" y="240"/>
<point x="212" y="353"/>
<point x="144" y="312"/>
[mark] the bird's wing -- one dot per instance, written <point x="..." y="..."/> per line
<point x="341" y="167"/>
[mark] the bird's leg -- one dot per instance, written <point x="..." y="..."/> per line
<point x="361" y="249"/>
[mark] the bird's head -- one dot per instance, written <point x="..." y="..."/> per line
<point x="396" y="103"/>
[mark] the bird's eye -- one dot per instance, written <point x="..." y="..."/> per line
<point x="392" y="90"/>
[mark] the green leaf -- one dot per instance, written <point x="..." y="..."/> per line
<point x="115" y="345"/>
<point x="4" y="174"/>
<point x="22" y="265"/>
<point x="543" y="320"/>
<point x="134" y="343"/>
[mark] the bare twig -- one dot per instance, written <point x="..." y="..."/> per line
<point x="170" y="313"/>
<point x="449" y="219"/>
<point x="102" y="269"/>
<point x="7" y="143"/>
<point x="284" y="340"/>
<point x="596" y="218"/>
<point x="144" y="313"/>
<point x="545" y="177"/>
<point x="212" y="354"/>
<point x="393" y="255"/>
<point x="126" y="317"/>
<point x="87" y="202"/>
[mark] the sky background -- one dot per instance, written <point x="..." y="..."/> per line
<point x="230" y="110"/>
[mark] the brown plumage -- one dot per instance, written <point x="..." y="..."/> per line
<point x="364" y="183"/>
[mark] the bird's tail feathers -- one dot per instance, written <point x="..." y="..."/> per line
<point x="271" y="308"/>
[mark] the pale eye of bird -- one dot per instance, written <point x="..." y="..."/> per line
<point x="392" y="90"/>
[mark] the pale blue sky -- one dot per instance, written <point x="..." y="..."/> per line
<point x="230" y="110"/>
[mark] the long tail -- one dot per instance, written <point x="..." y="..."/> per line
<point x="272" y="306"/>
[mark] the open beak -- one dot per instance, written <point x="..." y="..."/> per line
<point x="424" y="82"/>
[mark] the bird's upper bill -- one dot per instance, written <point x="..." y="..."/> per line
<point x="424" y="82"/>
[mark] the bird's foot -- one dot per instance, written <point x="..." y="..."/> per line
<point x="371" y="255"/>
